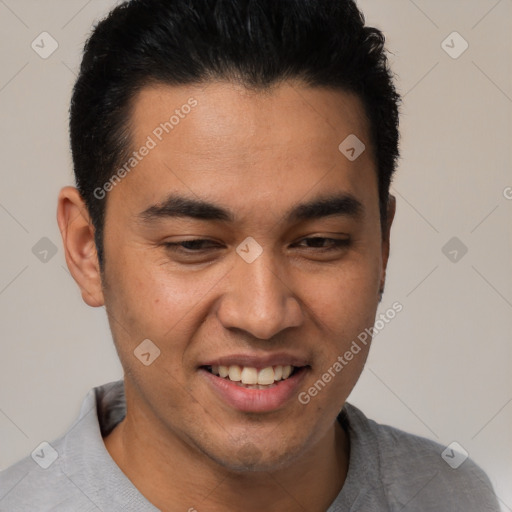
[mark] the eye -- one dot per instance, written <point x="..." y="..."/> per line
<point x="196" y="245"/>
<point x="323" y="243"/>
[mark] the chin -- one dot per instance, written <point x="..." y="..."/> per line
<point x="251" y="458"/>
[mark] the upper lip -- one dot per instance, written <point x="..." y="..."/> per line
<point x="251" y="360"/>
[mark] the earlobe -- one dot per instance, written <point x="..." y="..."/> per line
<point x="391" y="209"/>
<point x="77" y="234"/>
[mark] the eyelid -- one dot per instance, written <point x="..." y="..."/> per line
<point x="179" y="244"/>
<point x="335" y="242"/>
<point x="208" y="240"/>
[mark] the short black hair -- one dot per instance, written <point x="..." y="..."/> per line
<point x="258" y="43"/>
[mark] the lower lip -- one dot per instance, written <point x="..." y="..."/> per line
<point x="255" y="400"/>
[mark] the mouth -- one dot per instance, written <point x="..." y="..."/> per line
<point x="249" y="377"/>
<point x="253" y="389"/>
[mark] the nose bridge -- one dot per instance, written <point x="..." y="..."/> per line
<point x="258" y="300"/>
<point x="262" y="277"/>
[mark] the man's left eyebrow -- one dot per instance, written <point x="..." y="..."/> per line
<point x="344" y="204"/>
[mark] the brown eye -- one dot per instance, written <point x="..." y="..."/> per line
<point x="324" y="244"/>
<point x="195" y="245"/>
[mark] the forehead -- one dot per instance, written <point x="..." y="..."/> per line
<point x="228" y="114"/>
<point x="223" y="142"/>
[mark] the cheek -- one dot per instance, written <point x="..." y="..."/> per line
<point x="345" y="300"/>
<point x="154" y="300"/>
<point x="344" y="305"/>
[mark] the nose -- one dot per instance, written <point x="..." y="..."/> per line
<point x="259" y="299"/>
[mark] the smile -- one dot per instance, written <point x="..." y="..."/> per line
<point x="252" y="389"/>
<point x="252" y="378"/>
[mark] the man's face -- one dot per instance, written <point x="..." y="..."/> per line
<point x="264" y="162"/>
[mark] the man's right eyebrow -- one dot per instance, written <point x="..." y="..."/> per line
<point x="180" y="206"/>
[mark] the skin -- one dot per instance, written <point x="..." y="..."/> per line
<point x="258" y="154"/>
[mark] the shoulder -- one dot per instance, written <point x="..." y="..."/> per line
<point x="26" y="486"/>
<point x="417" y="473"/>
<point x="73" y="471"/>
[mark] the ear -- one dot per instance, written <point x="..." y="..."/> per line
<point x="78" y="239"/>
<point x="391" y="208"/>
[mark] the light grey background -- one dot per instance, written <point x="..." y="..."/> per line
<point x="440" y="369"/>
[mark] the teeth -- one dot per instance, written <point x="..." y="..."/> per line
<point x="266" y="376"/>
<point x="235" y="373"/>
<point x="251" y="377"/>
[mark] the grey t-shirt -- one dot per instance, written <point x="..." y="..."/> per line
<point x="389" y="470"/>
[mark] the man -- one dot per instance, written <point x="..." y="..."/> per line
<point x="232" y="213"/>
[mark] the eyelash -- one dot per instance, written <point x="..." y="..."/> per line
<point x="336" y="243"/>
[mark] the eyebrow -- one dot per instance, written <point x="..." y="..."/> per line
<point x="344" y="204"/>
<point x="180" y="206"/>
<point x="335" y="205"/>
